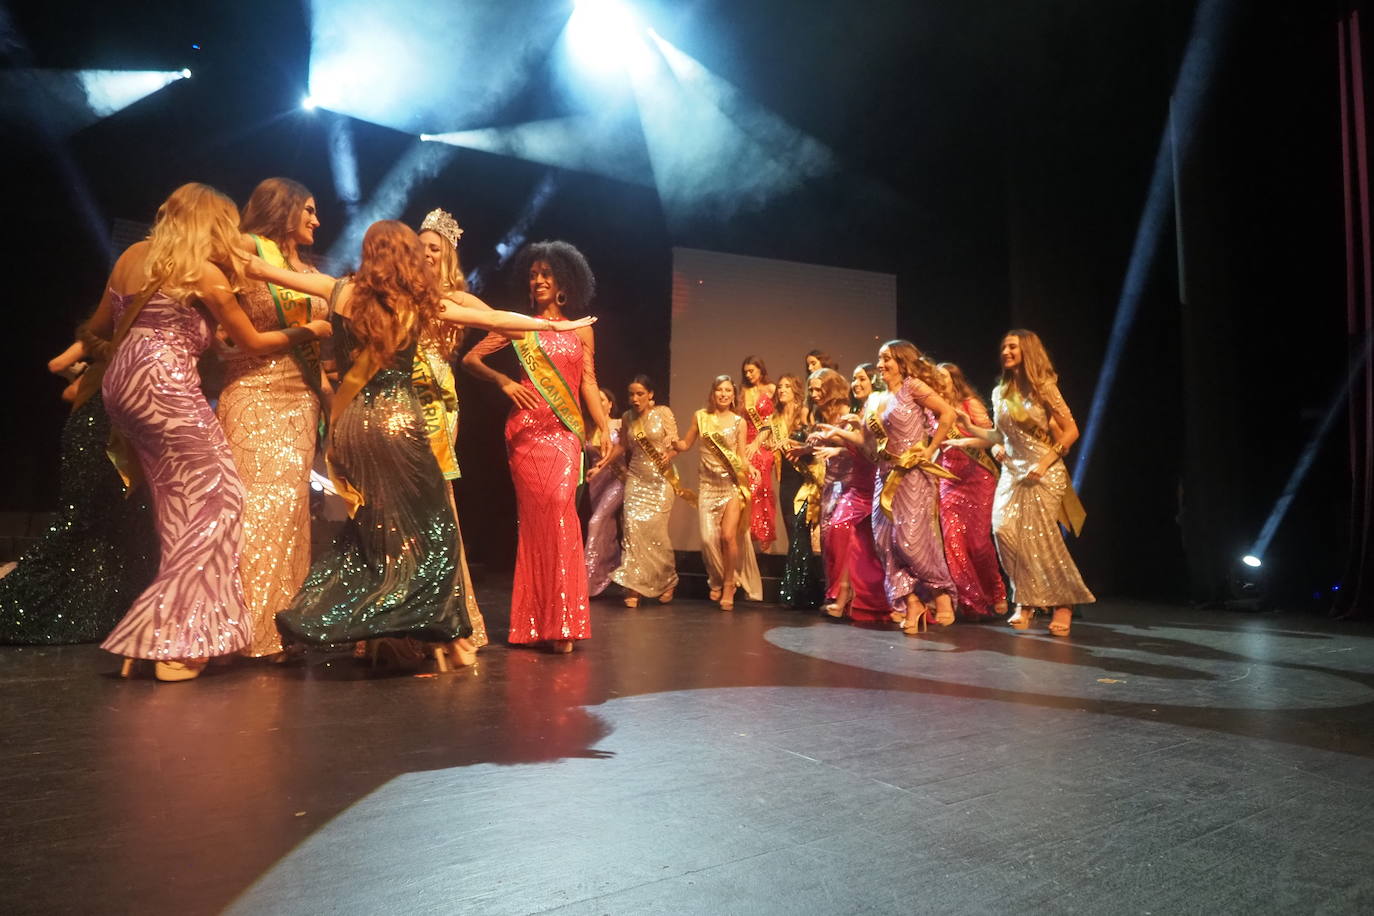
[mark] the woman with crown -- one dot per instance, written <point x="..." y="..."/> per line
<point x="433" y="380"/>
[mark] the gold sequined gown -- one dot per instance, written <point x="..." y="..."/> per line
<point x="647" y="565"/>
<point x="1025" y="515"/>
<point x="440" y="410"/>
<point x="716" y="490"/>
<point x="270" y="417"/>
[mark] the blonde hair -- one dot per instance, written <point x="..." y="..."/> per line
<point x="794" y="414"/>
<point x="195" y="224"/>
<point x="445" y="336"/>
<point x="1035" y="375"/>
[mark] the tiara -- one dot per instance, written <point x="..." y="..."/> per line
<point x="441" y="221"/>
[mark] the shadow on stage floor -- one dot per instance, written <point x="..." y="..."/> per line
<point x="685" y="760"/>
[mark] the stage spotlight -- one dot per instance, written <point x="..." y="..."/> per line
<point x="185" y="73"/>
<point x="108" y="91"/>
<point x="604" y="34"/>
<point x="1252" y="561"/>
<point x="309" y="103"/>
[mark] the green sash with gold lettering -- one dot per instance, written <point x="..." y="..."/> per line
<point x="552" y="387"/>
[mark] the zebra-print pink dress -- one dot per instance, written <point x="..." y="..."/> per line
<point x="194" y="608"/>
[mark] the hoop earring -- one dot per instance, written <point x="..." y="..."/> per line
<point x="561" y="298"/>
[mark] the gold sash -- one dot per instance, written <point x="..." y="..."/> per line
<point x="354" y="381"/>
<point x="809" y="493"/>
<point x="118" y="449"/>
<point x="551" y="385"/>
<point x="903" y="464"/>
<point x="436" y="402"/>
<point x="660" y="461"/>
<point x="1072" y="515"/>
<point x="706" y="425"/>
<point x="293" y="311"/>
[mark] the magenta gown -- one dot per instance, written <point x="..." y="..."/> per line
<point x="549" y="598"/>
<point x="194" y="608"/>
<point x="966" y="523"/>
<point x="909" y="544"/>
<point x="607" y="494"/>
<point x="847" y="535"/>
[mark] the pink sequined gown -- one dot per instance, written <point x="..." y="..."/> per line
<point x="606" y="492"/>
<point x="195" y="607"/>
<point x="549" y="599"/>
<point x="847" y="536"/>
<point x="966" y="522"/>
<point x="909" y="543"/>
<point x="762" y="524"/>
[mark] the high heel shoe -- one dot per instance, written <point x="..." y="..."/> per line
<point x="915" y="627"/>
<point x="561" y="646"/>
<point x="836" y="610"/>
<point x="631" y="599"/>
<point x="181" y="670"/>
<point x="944" y="615"/>
<point x="727" y="600"/>
<point x="713" y="594"/>
<point x="1059" y="625"/>
<point x="464" y="652"/>
<point x="126" y="670"/>
<point x="666" y="597"/>
<point x="1021" y="619"/>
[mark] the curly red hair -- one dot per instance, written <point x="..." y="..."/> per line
<point x="394" y="294"/>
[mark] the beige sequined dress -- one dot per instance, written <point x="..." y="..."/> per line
<point x="647" y="565"/>
<point x="716" y="490"/>
<point x="270" y="417"/>
<point x="1025" y="514"/>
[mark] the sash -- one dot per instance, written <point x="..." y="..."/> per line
<point x="354" y="381"/>
<point x="983" y="459"/>
<point x="660" y="461"/>
<point x="903" y="464"/>
<point x="706" y="425"/>
<point x="120" y="452"/>
<point x="436" y="402"/>
<point x="1072" y="515"/>
<point x="551" y="385"/>
<point x="293" y="311"/>
<point x="809" y="493"/>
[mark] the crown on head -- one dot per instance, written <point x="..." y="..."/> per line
<point x="441" y="221"/>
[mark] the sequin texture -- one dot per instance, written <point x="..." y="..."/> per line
<point x="716" y="490"/>
<point x="607" y="494"/>
<point x="647" y="566"/>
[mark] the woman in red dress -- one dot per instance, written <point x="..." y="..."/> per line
<point x="756" y="406"/>
<point x="544" y="437"/>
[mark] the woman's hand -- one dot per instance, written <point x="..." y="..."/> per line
<point x="573" y="325"/>
<point x="523" y="398"/>
<point x="825" y="453"/>
<point x="999" y="454"/>
<point x="320" y="328"/>
<point x="1037" y="473"/>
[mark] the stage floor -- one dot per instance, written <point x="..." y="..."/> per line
<point x="688" y="761"/>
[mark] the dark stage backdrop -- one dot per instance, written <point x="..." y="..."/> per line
<point x="994" y="157"/>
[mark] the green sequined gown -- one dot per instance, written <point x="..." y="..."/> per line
<point x="101" y="552"/>
<point x="395" y="570"/>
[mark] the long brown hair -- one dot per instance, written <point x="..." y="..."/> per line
<point x="962" y="389"/>
<point x="794" y="414"/>
<point x="834" y="400"/>
<point x="763" y="372"/>
<point x="1033" y="378"/>
<point x="911" y="362"/>
<point x="711" y="392"/>
<point x="274" y="207"/>
<point x="394" y="293"/>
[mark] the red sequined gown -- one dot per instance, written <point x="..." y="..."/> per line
<point x="549" y="597"/>
<point x="761" y="520"/>
<point x="966" y="523"/>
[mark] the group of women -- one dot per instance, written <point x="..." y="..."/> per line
<point x="229" y="489"/>
<point x="901" y="512"/>
<point x="909" y="489"/>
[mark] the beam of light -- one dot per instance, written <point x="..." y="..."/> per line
<point x="1200" y="59"/>
<point x="1309" y="453"/>
<point x="583" y="143"/>
<point x="108" y="91"/>
<point x="604" y="36"/>
<point x="519" y="231"/>
<point x="714" y="152"/>
<point x="75" y="99"/>
<point x="309" y="103"/>
<point x="343" y="163"/>
<point x="417" y="65"/>
<point x="420" y="162"/>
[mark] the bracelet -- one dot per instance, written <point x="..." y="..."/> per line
<point x="1059" y="449"/>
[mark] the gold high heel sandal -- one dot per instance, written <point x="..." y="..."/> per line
<point x="727" y="602"/>
<point x="666" y="597"/>
<point x="631" y="599"/>
<point x="182" y="670"/>
<point x="1059" y="626"/>
<point x="918" y="626"/>
<point x="1021" y="619"/>
<point x="561" y="646"/>
<point x="713" y="594"/>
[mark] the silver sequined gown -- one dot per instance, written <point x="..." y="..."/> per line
<point x="716" y="490"/>
<point x="647" y="565"/>
<point x="1025" y="515"/>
